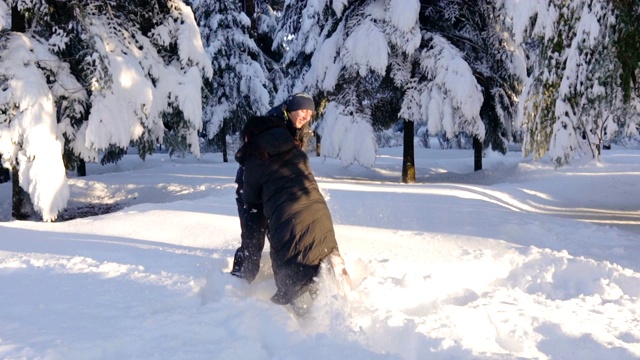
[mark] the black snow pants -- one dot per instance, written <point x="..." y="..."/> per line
<point x="253" y="226"/>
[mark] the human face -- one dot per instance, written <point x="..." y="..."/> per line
<point x="300" y="117"/>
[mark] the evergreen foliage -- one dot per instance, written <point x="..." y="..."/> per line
<point x="471" y="27"/>
<point x="103" y="74"/>
<point x="240" y="86"/>
<point x="627" y="43"/>
<point x="572" y="102"/>
<point x="96" y="77"/>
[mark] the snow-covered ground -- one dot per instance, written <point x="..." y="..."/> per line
<point x="519" y="260"/>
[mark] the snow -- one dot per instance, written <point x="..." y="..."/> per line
<point x="338" y="6"/>
<point x="519" y="260"/>
<point x="519" y="14"/>
<point x="5" y="16"/>
<point x="453" y="88"/>
<point x="404" y="14"/>
<point x="350" y="138"/>
<point x="189" y="41"/>
<point x="366" y="49"/>
<point x="325" y="65"/>
<point x="41" y="170"/>
<point x="130" y="93"/>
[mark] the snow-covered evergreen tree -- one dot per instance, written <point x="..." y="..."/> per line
<point x="298" y="36"/>
<point x="348" y="44"/>
<point x="31" y="79"/>
<point x="362" y="46"/>
<point x="349" y="68"/>
<point x="126" y="65"/>
<point x="240" y="86"/>
<point x="473" y="28"/>
<point x="588" y="92"/>
<point x="573" y="92"/>
<point x="266" y="18"/>
<point x="446" y="94"/>
<point x="627" y="45"/>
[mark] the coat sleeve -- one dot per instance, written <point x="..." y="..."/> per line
<point x="253" y="181"/>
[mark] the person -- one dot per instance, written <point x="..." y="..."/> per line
<point x="295" y="113"/>
<point x="278" y="179"/>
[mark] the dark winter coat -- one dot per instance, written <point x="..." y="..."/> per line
<point x="277" y="176"/>
<point x="246" y="261"/>
<point x="278" y="113"/>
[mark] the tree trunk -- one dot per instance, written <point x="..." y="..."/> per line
<point x="5" y="174"/>
<point x="18" y="21"/>
<point x="223" y="141"/>
<point x="249" y="8"/>
<point x="21" y="208"/>
<point x="477" y="154"/>
<point x="81" y="168"/>
<point x="408" y="154"/>
<point x="318" y="143"/>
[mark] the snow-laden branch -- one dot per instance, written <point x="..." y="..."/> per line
<point x="5" y="15"/>
<point x="349" y="136"/>
<point x="29" y="136"/>
<point x="129" y="103"/>
<point x="132" y="81"/>
<point x="366" y="49"/>
<point x="447" y="95"/>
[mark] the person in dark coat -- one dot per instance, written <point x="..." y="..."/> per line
<point x="278" y="179"/>
<point x="294" y="113"/>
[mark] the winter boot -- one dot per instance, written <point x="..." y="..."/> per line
<point x="304" y="299"/>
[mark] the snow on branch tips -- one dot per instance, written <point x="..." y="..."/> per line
<point x="403" y="27"/>
<point x="349" y="138"/>
<point x="5" y="15"/>
<point x="189" y="42"/>
<point x="451" y="87"/>
<point x="404" y="14"/>
<point x="124" y="100"/>
<point x="527" y="18"/>
<point x="30" y="134"/>
<point x="325" y="64"/>
<point x="366" y="48"/>
<point x="338" y="6"/>
<point x="411" y="109"/>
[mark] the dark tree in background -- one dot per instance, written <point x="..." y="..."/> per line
<point x="408" y="155"/>
<point x="240" y="86"/>
<point x="471" y="27"/>
<point x="628" y="45"/>
<point x="5" y="174"/>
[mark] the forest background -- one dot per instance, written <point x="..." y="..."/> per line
<point x="85" y="80"/>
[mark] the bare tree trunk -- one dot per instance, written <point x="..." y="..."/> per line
<point x="223" y="141"/>
<point x="21" y="207"/>
<point x="318" y="143"/>
<point x="249" y="8"/>
<point x="18" y="21"/>
<point x="408" y="154"/>
<point x="477" y="154"/>
<point x="5" y="174"/>
<point x="81" y="169"/>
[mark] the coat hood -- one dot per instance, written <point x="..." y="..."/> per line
<point x="264" y="136"/>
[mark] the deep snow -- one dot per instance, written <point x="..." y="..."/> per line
<point x="519" y="260"/>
